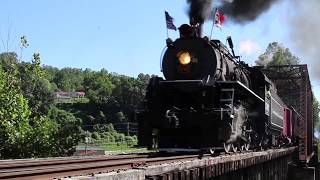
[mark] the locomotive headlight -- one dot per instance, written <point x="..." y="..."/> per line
<point x="184" y="57"/>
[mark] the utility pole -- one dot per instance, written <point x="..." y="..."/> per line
<point x="85" y="149"/>
<point x="128" y="128"/>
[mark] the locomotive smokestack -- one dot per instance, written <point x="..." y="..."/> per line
<point x="197" y="27"/>
<point x="199" y="11"/>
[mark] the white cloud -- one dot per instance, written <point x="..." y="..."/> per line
<point x="249" y="47"/>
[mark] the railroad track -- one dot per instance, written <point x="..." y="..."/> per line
<point x="65" y="167"/>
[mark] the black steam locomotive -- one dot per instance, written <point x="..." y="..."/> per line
<point x="209" y="100"/>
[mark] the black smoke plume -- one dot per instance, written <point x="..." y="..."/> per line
<point x="242" y="11"/>
<point x="199" y="10"/>
<point x="239" y="11"/>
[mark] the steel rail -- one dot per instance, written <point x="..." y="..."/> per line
<point x="57" y="168"/>
<point x="6" y="164"/>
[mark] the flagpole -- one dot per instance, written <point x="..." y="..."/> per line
<point x="213" y="22"/>
<point x="211" y="29"/>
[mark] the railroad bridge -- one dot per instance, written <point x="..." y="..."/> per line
<point x="262" y="165"/>
<point x="273" y="164"/>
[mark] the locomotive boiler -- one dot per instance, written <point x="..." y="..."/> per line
<point x="209" y="100"/>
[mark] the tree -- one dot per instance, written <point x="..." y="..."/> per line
<point x="276" y="54"/>
<point x="49" y="74"/>
<point x="31" y="81"/>
<point x="69" y="79"/>
<point x="22" y="133"/>
<point x="316" y="111"/>
<point x="8" y="61"/>
<point x="35" y="87"/>
<point x="67" y="132"/>
<point x="128" y="92"/>
<point x="14" y="114"/>
<point x="41" y="139"/>
<point x="98" y="86"/>
<point x="30" y="125"/>
<point x="121" y="117"/>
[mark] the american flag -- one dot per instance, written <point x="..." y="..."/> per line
<point x="169" y="21"/>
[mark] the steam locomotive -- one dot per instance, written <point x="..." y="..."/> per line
<point x="210" y="100"/>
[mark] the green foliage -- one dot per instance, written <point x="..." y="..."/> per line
<point x="98" y="86"/>
<point x="14" y="115"/>
<point x="35" y="88"/>
<point x="24" y="42"/>
<point x="112" y="97"/>
<point x="121" y="117"/>
<point x="27" y="128"/>
<point x="276" y="55"/>
<point x="316" y="117"/>
<point x="9" y="61"/>
<point x="67" y="79"/>
<point x="130" y="140"/>
<point x="72" y="100"/>
<point x="110" y="128"/>
<point x="33" y="124"/>
<point x="128" y="92"/>
<point x="107" y="136"/>
<point x="95" y="135"/>
<point x="21" y="134"/>
<point x="67" y="132"/>
<point x="41" y="138"/>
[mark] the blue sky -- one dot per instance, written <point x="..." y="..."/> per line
<point x="127" y="36"/>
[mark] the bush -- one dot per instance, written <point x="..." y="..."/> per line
<point x="120" y="138"/>
<point x="95" y="135"/>
<point x="110" y="128"/>
<point x="111" y="139"/>
<point x="103" y="135"/>
<point x="130" y="141"/>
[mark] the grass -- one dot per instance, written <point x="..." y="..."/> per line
<point x="124" y="149"/>
<point x="117" y="148"/>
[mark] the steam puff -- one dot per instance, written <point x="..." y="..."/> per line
<point x="249" y="47"/>
<point x="242" y="11"/>
<point x="305" y="28"/>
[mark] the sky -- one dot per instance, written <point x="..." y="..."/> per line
<point x="126" y="37"/>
